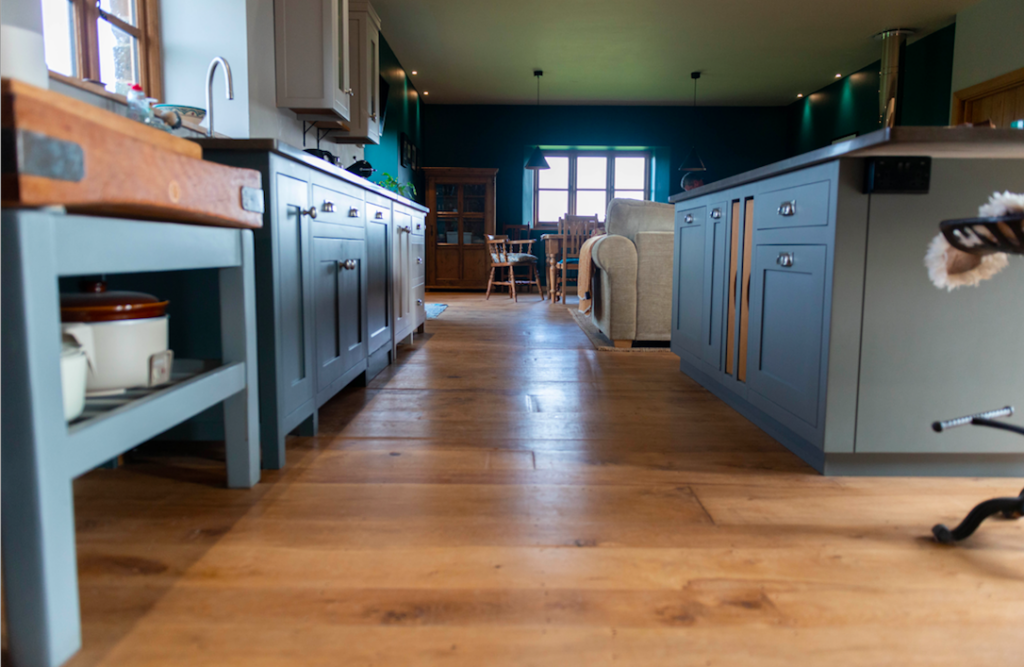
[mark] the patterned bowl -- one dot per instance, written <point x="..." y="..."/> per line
<point x="192" y="113"/>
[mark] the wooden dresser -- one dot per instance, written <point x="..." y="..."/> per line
<point x="461" y="203"/>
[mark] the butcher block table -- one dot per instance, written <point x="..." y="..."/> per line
<point x="198" y="216"/>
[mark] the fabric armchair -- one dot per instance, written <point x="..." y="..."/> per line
<point x="632" y="297"/>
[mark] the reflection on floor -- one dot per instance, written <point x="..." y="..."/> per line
<point x="506" y="495"/>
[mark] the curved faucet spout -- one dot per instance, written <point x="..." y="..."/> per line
<point x="229" y="88"/>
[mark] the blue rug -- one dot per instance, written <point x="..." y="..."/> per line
<point x="434" y="310"/>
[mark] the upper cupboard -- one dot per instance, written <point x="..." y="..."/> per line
<point x="328" y="65"/>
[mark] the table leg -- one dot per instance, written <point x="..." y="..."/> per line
<point x="238" y="340"/>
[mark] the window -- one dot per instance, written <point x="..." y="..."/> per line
<point x="110" y="42"/>
<point x="583" y="182"/>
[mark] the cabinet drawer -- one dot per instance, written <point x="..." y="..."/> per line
<point x="799" y="206"/>
<point x="338" y="207"/>
<point x="378" y="214"/>
<point x="690" y="217"/>
<point x="787" y="310"/>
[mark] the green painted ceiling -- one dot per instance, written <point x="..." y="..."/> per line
<point x="751" y="52"/>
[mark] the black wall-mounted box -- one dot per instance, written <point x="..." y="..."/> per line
<point x="898" y="175"/>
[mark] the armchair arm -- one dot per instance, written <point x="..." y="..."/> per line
<point x="615" y="308"/>
<point x="654" y="285"/>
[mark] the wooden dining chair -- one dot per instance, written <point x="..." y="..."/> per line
<point x="508" y="255"/>
<point x="517" y="232"/>
<point x="574" y="230"/>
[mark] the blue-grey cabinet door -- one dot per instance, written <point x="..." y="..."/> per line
<point x="713" y="304"/>
<point x="339" y="281"/>
<point x="293" y="318"/>
<point x="688" y="286"/>
<point x="787" y="305"/>
<point x="378" y="288"/>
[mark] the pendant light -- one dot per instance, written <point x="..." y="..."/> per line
<point x="537" y="160"/>
<point x="693" y="165"/>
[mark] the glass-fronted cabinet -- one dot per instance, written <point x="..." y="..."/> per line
<point x="461" y="203"/>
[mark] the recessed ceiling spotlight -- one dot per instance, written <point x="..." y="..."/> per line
<point x="799" y="95"/>
<point x="426" y="92"/>
<point x="414" y="72"/>
<point x="838" y="76"/>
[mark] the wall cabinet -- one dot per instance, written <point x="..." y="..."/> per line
<point x="311" y="48"/>
<point x="801" y="301"/>
<point x="364" y="61"/>
<point x="461" y="204"/>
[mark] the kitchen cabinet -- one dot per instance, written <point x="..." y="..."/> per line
<point x="801" y="301"/>
<point x="364" y="61"/>
<point x="339" y="303"/>
<point x="786" y="309"/>
<point x="335" y="281"/>
<point x="409" y="272"/>
<point x="311" y="48"/>
<point x="461" y="204"/>
<point x="378" y="278"/>
<point x="688" y="266"/>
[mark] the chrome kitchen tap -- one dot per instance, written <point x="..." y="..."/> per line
<point x="209" y="88"/>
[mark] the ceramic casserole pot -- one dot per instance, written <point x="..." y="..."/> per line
<point x="124" y="335"/>
<point x="74" y="371"/>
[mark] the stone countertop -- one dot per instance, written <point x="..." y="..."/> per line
<point x="297" y="154"/>
<point x="936" y="142"/>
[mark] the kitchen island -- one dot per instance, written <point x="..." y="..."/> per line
<point x="800" y="299"/>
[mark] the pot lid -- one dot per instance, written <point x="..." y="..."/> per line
<point x="95" y="304"/>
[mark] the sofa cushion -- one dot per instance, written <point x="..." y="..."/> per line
<point x="626" y="217"/>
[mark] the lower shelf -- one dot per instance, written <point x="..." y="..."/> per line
<point x="113" y="424"/>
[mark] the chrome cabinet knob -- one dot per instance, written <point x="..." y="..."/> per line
<point x="784" y="259"/>
<point x="373" y="116"/>
<point x="419" y="260"/>
<point x="688" y="218"/>
<point x="379" y="215"/>
<point x="419" y="226"/>
<point x="353" y="212"/>
<point x="349" y="92"/>
<point x="419" y="302"/>
<point x="716" y="213"/>
<point x="787" y="208"/>
<point x="311" y="212"/>
<point x="348" y="264"/>
<point x="328" y="207"/>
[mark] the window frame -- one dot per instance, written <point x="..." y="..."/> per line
<point x="87" y="15"/>
<point x="573" y="155"/>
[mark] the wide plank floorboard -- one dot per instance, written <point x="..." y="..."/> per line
<point x="506" y="495"/>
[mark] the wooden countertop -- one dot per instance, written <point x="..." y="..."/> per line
<point x="937" y="142"/>
<point x="298" y="155"/>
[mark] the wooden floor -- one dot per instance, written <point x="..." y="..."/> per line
<point x="505" y="495"/>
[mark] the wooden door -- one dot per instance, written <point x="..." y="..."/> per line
<point x="1000" y="100"/>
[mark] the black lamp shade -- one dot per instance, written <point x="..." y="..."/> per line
<point x="692" y="162"/>
<point x="537" y="160"/>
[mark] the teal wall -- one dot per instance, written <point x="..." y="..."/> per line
<point x="729" y="139"/>
<point x="404" y="115"/>
<point x="850" y="104"/>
